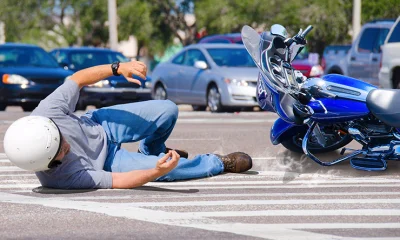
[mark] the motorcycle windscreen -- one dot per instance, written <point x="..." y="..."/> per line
<point x="256" y="45"/>
<point x="251" y="40"/>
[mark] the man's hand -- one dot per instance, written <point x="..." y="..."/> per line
<point x="137" y="178"/>
<point x="127" y="69"/>
<point x="164" y="165"/>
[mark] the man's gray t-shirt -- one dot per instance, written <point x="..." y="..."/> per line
<point x="83" y="166"/>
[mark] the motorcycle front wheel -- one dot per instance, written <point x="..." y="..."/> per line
<point x="334" y="141"/>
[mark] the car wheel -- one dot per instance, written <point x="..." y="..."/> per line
<point x="199" y="108"/>
<point x="160" y="93"/>
<point x="3" y="106"/>
<point x="214" y="99"/>
<point x="28" y="107"/>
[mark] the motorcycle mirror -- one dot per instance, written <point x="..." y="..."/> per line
<point x="251" y="40"/>
<point x="279" y="30"/>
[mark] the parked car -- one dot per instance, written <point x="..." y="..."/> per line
<point x="28" y="75"/>
<point x="363" y="59"/>
<point x="389" y="74"/>
<point x="223" y="38"/>
<point x="219" y="76"/>
<point x="110" y="91"/>
<point x="301" y="63"/>
<point x="330" y="58"/>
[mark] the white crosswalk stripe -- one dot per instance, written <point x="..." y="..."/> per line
<point x="306" y="207"/>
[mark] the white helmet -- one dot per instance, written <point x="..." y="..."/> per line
<point x="32" y="143"/>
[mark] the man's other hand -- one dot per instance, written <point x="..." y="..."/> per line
<point x="168" y="162"/>
<point x="127" y="69"/>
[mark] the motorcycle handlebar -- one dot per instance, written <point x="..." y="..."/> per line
<point x="306" y="31"/>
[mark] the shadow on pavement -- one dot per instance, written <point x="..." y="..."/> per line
<point x="44" y="190"/>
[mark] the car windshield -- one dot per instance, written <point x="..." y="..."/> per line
<point x="26" y="56"/>
<point x="81" y="60"/>
<point x="231" y="57"/>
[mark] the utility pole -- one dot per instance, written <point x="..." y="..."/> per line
<point x="356" y="18"/>
<point x="112" y="24"/>
<point x="2" y="33"/>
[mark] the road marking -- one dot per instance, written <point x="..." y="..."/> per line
<point x="22" y="180"/>
<point x="171" y="187"/>
<point x="11" y="169"/>
<point x="235" y="195"/>
<point x="320" y="212"/>
<point x="20" y="186"/>
<point x="194" y="139"/>
<point x="270" y="231"/>
<point x="3" y="156"/>
<point x="278" y="182"/>
<point x="4" y="160"/>
<point x="223" y="120"/>
<point x="18" y="175"/>
<point x="262" y="202"/>
<point x="310" y="186"/>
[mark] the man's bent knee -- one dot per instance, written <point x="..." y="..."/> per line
<point x="171" y="109"/>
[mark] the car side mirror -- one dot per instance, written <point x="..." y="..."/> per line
<point x="200" y="65"/>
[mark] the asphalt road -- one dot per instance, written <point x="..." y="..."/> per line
<point x="284" y="195"/>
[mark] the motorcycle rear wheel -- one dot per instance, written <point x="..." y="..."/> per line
<point x="294" y="144"/>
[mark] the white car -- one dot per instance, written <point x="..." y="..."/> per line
<point x="389" y="74"/>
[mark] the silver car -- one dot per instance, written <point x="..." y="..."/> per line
<point x="220" y="76"/>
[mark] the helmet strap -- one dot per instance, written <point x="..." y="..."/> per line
<point x="55" y="163"/>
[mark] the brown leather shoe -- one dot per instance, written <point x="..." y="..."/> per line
<point x="182" y="153"/>
<point x="236" y="162"/>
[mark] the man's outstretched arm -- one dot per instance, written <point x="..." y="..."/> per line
<point x="94" y="74"/>
<point x="138" y="178"/>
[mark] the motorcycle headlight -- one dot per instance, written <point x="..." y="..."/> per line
<point x="316" y="71"/>
<point x="14" y="79"/>
<point x="236" y="82"/>
<point x="100" y="84"/>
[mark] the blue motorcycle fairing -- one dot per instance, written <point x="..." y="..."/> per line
<point x="283" y="130"/>
<point x="264" y="95"/>
<point x="271" y="100"/>
<point x="338" y="110"/>
<point x="348" y="82"/>
<point x="350" y="105"/>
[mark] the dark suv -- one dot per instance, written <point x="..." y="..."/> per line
<point x="113" y="90"/>
<point x="28" y="74"/>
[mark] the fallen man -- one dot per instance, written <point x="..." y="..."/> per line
<point x="70" y="152"/>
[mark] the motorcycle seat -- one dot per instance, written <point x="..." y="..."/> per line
<point x="385" y="105"/>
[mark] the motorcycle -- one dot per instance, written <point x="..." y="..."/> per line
<point x="319" y="115"/>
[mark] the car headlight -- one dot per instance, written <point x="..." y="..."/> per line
<point x="148" y="84"/>
<point x="316" y="71"/>
<point x="236" y="82"/>
<point x="100" y="84"/>
<point x="14" y="79"/>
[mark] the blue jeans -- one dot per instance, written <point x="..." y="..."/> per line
<point x="151" y="122"/>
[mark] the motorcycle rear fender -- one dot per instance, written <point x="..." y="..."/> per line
<point x="282" y="130"/>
